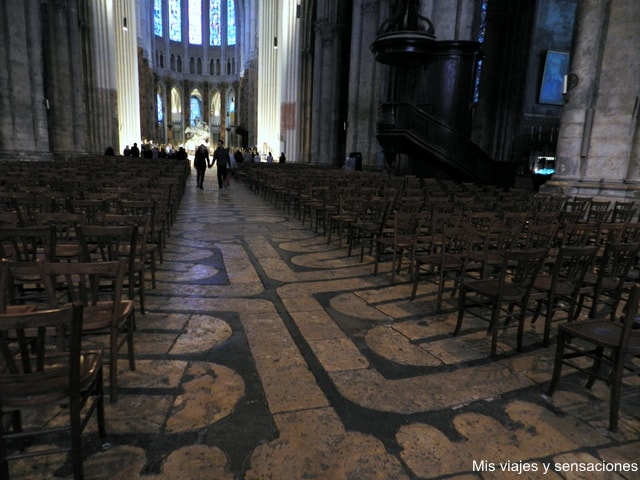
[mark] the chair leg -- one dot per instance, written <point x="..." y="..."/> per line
<point x="102" y="430"/>
<point x="495" y="319"/>
<point x="76" y="438"/>
<point x="595" y="368"/>
<point x="461" y="300"/>
<point x="614" y="402"/>
<point x="557" y="365"/>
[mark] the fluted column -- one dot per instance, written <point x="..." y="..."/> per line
<point x="268" y="76"/>
<point x="102" y="102"/>
<point x="127" y="73"/>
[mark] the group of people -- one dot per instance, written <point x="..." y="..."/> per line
<point x="224" y="162"/>
<point x="152" y="151"/>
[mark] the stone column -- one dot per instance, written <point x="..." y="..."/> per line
<point x="23" y="123"/>
<point x="65" y="78"/>
<point x="579" y="111"/>
<point x="99" y="53"/>
<point x="364" y="82"/>
<point x="326" y="102"/>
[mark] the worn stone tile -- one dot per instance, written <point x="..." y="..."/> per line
<point x="314" y="444"/>
<point x="351" y="304"/>
<point x="210" y="393"/>
<point x="202" y="332"/>
<point x="392" y="345"/>
<point x="150" y="373"/>
<point x="338" y="354"/>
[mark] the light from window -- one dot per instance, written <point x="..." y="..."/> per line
<point x="175" y="21"/>
<point x="196" y="111"/>
<point x="215" y="29"/>
<point x="157" y="17"/>
<point x="160" y="110"/>
<point x="231" y="22"/>
<point x="195" y="22"/>
<point x="481" y="33"/>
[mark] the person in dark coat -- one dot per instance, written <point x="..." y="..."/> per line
<point x="201" y="162"/>
<point x="223" y="162"/>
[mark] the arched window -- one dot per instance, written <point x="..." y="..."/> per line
<point x="215" y="109"/>
<point x="195" y="107"/>
<point x="157" y="17"/>
<point x="179" y="64"/>
<point x="215" y="28"/>
<point x="159" y="107"/>
<point x="195" y="22"/>
<point x="231" y="22"/>
<point x="175" y="21"/>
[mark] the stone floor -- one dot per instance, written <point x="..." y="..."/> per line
<point x="268" y="354"/>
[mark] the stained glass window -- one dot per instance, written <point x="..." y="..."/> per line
<point x="481" y="34"/>
<point x="196" y="111"/>
<point x="231" y="22"/>
<point x="157" y="17"/>
<point x="160" y="111"/>
<point x="175" y="21"/>
<point x="215" y="28"/>
<point x="195" y="22"/>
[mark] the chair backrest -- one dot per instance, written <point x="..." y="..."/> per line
<point x="630" y="337"/>
<point x="66" y="223"/>
<point x="521" y="266"/>
<point x="108" y="243"/>
<point x="571" y="264"/>
<point x="38" y="356"/>
<point x="141" y="221"/>
<point x="28" y="244"/>
<point x="86" y="283"/>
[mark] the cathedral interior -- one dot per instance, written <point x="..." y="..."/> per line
<point x="269" y="343"/>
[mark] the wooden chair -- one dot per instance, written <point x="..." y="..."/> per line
<point x="368" y="226"/>
<point x="145" y="253"/>
<point x="110" y="243"/>
<point x="609" y="344"/>
<point x="398" y="242"/>
<point x="558" y="289"/>
<point x="24" y="247"/>
<point x="66" y="225"/>
<point x="604" y="283"/>
<point x="491" y="298"/>
<point x="98" y="287"/>
<point x="43" y="368"/>
<point x="446" y="267"/>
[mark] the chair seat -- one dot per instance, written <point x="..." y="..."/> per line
<point x="600" y="332"/>
<point x="446" y="260"/>
<point x="545" y="283"/>
<point x="98" y="317"/>
<point x="34" y="389"/>
<point x="489" y="287"/>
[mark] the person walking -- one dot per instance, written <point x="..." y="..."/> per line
<point x="201" y="162"/>
<point x="222" y="161"/>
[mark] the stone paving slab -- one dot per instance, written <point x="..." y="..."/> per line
<point x="267" y="353"/>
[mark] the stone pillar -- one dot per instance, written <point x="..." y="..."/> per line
<point x="65" y="78"/>
<point x="327" y="124"/>
<point x="364" y="83"/>
<point x="579" y="110"/>
<point x="23" y="123"/>
<point x="127" y="73"/>
<point x="99" y="57"/>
